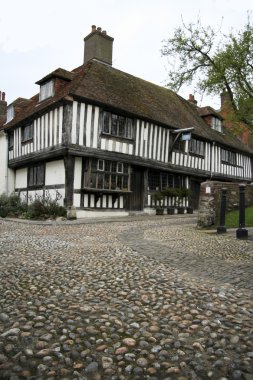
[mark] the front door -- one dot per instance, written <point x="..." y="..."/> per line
<point x="195" y="192"/>
<point x="137" y="188"/>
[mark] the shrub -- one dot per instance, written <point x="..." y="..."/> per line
<point x="11" y="206"/>
<point x="45" y="208"/>
<point x="39" y="208"/>
<point x="4" y="205"/>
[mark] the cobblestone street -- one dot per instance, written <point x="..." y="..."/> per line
<point x="150" y="298"/>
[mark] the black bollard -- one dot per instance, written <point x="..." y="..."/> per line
<point x="222" y="229"/>
<point x="241" y="232"/>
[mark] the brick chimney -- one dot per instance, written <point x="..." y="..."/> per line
<point x="98" y="45"/>
<point x="225" y="100"/>
<point x="192" y="99"/>
<point x="3" y="105"/>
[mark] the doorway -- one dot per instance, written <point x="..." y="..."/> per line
<point x="137" y="188"/>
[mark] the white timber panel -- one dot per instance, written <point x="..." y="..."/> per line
<point x="78" y="173"/>
<point x="77" y="200"/>
<point x="55" y="173"/>
<point x="21" y="178"/>
<point x="88" y="126"/>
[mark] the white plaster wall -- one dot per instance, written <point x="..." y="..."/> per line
<point x="3" y="162"/>
<point x="56" y="194"/>
<point x="21" y="178"/>
<point x="77" y="200"/>
<point x="11" y="181"/>
<point x="100" y="214"/>
<point x="55" y="173"/>
<point x="78" y="173"/>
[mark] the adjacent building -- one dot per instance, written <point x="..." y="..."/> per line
<point x="102" y="140"/>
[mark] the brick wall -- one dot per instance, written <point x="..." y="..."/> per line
<point x="210" y="198"/>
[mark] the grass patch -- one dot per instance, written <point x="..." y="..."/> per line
<point x="232" y="218"/>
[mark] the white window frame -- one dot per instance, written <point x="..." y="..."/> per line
<point x="10" y="113"/>
<point x="216" y="124"/>
<point x="47" y="90"/>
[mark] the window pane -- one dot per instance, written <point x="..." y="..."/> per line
<point x="46" y="90"/>
<point x="92" y="182"/>
<point x="107" y="181"/>
<point x="128" y="133"/>
<point x="106" y="122"/>
<point x="107" y="166"/>
<point x="108" y="178"/>
<point x="119" y="182"/>
<point x="125" y="182"/>
<point x="117" y="125"/>
<point x="154" y="180"/>
<point x="10" y="113"/>
<point x="114" y="124"/>
<point x="113" y="182"/>
<point x="101" y="165"/>
<point x="11" y="141"/>
<point x="100" y="181"/>
<point x="121" y="130"/>
<point x="36" y="175"/>
<point x="114" y="167"/>
<point x="120" y="167"/>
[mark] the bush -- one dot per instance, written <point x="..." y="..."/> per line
<point x="44" y="209"/>
<point x="4" y="205"/>
<point x="40" y="208"/>
<point x="11" y="206"/>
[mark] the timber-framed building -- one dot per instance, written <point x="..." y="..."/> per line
<point x="102" y="140"/>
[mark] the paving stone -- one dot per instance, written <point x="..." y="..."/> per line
<point x="150" y="298"/>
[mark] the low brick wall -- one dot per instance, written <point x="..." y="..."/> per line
<point x="210" y="198"/>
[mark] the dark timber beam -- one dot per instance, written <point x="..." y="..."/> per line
<point x="69" y="164"/>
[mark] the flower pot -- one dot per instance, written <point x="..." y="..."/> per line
<point x="180" y="210"/>
<point x="160" y="211"/>
<point x="170" y="210"/>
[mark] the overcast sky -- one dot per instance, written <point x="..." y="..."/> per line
<point x="36" y="37"/>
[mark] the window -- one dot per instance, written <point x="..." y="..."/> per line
<point x="197" y="147"/>
<point x="27" y="133"/>
<point x="179" y="145"/>
<point x="158" y="181"/>
<point x="11" y="141"/>
<point x="108" y="175"/>
<point x="10" y="113"/>
<point x="46" y="90"/>
<point x="228" y="157"/>
<point x="36" y="175"/>
<point x="216" y="124"/>
<point x="116" y="125"/>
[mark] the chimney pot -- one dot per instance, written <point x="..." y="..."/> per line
<point x="99" y="29"/>
<point x="192" y="99"/>
<point x="104" y="32"/>
<point x="93" y="28"/>
<point x="3" y="96"/>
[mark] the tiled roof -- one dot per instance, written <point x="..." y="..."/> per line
<point x="58" y="73"/>
<point x="206" y="111"/>
<point x="102" y="84"/>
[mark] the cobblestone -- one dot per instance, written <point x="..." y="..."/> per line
<point x="147" y="299"/>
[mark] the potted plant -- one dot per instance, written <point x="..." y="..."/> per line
<point x="181" y="194"/>
<point x="170" y="192"/>
<point x="158" y="197"/>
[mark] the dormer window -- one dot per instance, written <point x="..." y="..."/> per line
<point x="10" y="113"/>
<point x="46" y="90"/>
<point x="216" y="124"/>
